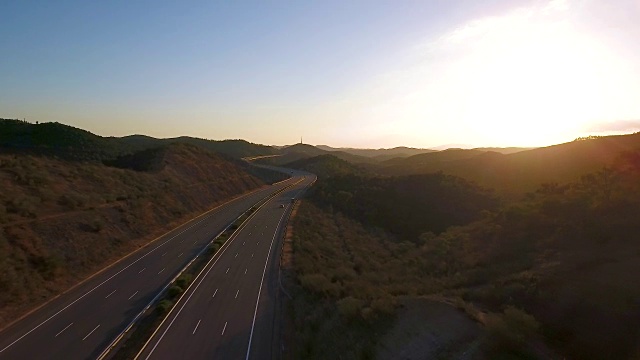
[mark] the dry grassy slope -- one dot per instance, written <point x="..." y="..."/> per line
<point x="61" y="221"/>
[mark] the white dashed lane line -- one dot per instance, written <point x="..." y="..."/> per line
<point x="164" y="254"/>
<point x="141" y="270"/>
<point x="224" y="328"/>
<point x="180" y="254"/>
<point x="245" y="271"/>
<point x="134" y="294"/>
<point x="251" y="255"/>
<point x="227" y="270"/>
<point x="161" y="271"/>
<point x="111" y="293"/>
<point x="237" y="292"/>
<point x="196" y="328"/>
<point x="236" y="255"/>
<point x="214" y="293"/>
<point x="94" y="329"/>
<point x="61" y="331"/>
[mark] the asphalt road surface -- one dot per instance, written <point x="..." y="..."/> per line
<point x="82" y="322"/>
<point x="228" y="312"/>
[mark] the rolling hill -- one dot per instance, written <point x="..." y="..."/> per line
<point x="517" y="173"/>
<point x="67" y="142"/>
<point x="61" y="220"/>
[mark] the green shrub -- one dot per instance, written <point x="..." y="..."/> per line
<point x="184" y="280"/>
<point x="174" y="291"/>
<point x="163" y="306"/>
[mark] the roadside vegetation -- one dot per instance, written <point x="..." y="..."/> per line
<point x="62" y="220"/>
<point x="552" y="275"/>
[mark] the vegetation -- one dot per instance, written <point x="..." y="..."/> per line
<point x="67" y="142"/>
<point x="61" y="220"/>
<point x="545" y="274"/>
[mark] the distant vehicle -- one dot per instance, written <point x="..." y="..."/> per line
<point x="281" y="206"/>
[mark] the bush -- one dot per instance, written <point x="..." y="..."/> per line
<point x="174" y="291"/>
<point x="163" y="306"/>
<point x="511" y="330"/>
<point x="184" y="280"/>
<point x="350" y="307"/>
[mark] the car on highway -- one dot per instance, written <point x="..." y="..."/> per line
<point x="282" y="206"/>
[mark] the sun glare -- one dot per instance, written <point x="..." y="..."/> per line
<point x="530" y="77"/>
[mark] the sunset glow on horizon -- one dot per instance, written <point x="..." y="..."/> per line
<point x="364" y="74"/>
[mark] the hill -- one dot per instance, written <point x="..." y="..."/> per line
<point x="61" y="220"/>
<point x="544" y="276"/>
<point x="295" y="152"/>
<point x="517" y="173"/>
<point x="323" y="166"/>
<point x="67" y="142"/>
<point x="400" y="151"/>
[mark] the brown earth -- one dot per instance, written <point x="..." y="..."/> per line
<point x="61" y="221"/>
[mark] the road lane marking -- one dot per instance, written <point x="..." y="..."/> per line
<point x="237" y="292"/>
<point x="161" y="271"/>
<point x="224" y="328"/>
<point x="141" y="270"/>
<point x="264" y="271"/>
<point x="243" y="243"/>
<point x="245" y="271"/>
<point x="61" y="331"/>
<point x="214" y="293"/>
<point x="192" y="291"/>
<point x="227" y="270"/>
<point x="236" y="255"/>
<point x="164" y="254"/>
<point x="251" y="255"/>
<point x="258" y="243"/>
<point x="94" y="329"/>
<point x="196" y="328"/>
<point x="134" y="294"/>
<point x="180" y="254"/>
<point x="206" y="216"/>
<point x="111" y="293"/>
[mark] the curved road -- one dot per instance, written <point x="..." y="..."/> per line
<point x="228" y="312"/>
<point x="82" y="322"/>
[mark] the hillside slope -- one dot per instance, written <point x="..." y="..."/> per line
<point x="516" y="173"/>
<point x="63" y="220"/>
<point x="67" y="142"/>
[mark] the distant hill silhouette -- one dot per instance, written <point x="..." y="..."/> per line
<point x="67" y="142"/>
<point x="516" y="173"/>
<point x="326" y="165"/>
<point x="303" y="151"/>
<point x="379" y="154"/>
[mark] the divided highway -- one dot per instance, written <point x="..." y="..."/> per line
<point x="81" y="323"/>
<point x="228" y="312"/>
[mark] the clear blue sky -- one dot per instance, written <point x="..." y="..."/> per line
<point x="343" y="73"/>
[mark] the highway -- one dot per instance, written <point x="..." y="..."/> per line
<point x="82" y="322"/>
<point x="228" y="312"/>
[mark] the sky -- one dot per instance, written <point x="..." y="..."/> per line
<point x="341" y="73"/>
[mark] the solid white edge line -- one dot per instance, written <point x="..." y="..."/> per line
<point x="227" y="244"/>
<point x="266" y="263"/>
